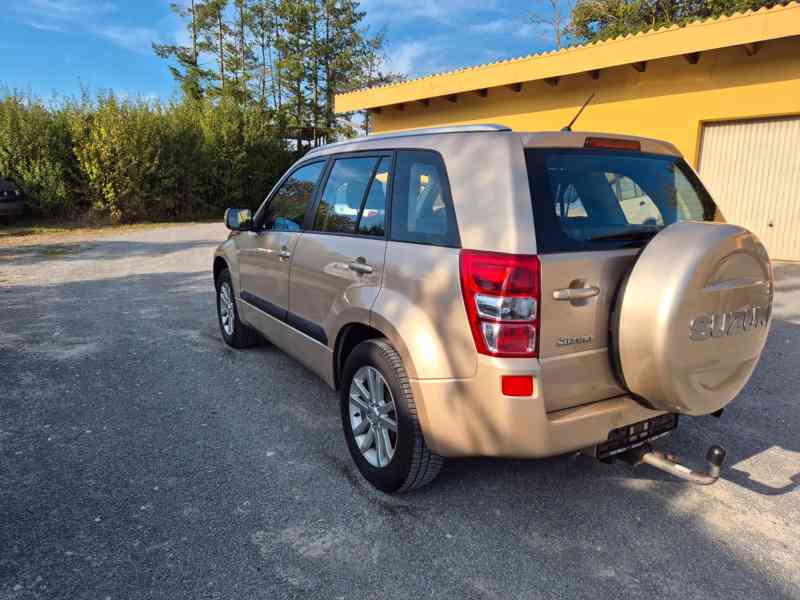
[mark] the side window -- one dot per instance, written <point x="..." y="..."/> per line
<point x="344" y="192"/>
<point x="638" y="207"/>
<point x="690" y="207"/>
<point x="373" y="217"/>
<point x="422" y="210"/>
<point x="568" y="203"/>
<point x="287" y="209"/>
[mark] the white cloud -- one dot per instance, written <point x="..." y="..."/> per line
<point x="406" y="58"/>
<point x="57" y="15"/>
<point x="516" y="28"/>
<point x="400" y="11"/>
<point x="82" y="16"/>
<point x="417" y="58"/>
<point x="135" y="39"/>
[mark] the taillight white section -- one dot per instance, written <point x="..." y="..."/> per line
<point x="501" y="295"/>
<point x="506" y="309"/>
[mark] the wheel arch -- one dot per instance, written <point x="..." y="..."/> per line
<point x="353" y="333"/>
<point x="220" y="264"/>
<point x="350" y="336"/>
<point x="226" y="257"/>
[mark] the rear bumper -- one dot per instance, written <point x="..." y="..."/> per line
<point x="471" y="417"/>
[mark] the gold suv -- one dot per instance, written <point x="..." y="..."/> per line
<point x="473" y="291"/>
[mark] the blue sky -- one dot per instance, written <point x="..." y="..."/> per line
<point x="53" y="47"/>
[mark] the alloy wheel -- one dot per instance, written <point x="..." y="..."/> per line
<point x="226" y="314"/>
<point x="373" y="416"/>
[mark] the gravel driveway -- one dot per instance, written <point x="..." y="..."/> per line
<point x="140" y="458"/>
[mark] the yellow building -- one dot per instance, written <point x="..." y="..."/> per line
<point x="726" y="92"/>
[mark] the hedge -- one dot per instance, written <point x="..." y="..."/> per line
<point x="136" y="160"/>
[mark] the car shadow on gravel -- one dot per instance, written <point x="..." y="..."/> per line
<point x="764" y="417"/>
<point x="141" y="458"/>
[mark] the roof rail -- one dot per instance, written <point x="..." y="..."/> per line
<point x="415" y="132"/>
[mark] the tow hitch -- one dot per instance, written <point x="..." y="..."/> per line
<point x="645" y="454"/>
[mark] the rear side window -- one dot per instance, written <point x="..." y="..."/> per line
<point x="287" y="209"/>
<point x="344" y="192"/>
<point x="354" y="198"/>
<point x="373" y="217"/>
<point x="422" y="209"/>
<point x="599" y="199"/>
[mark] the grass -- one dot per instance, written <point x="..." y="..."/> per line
<point x="56" y="250"/>
<point x="25" y="232"/>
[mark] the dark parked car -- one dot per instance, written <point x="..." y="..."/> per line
<point x="12" y="201"/>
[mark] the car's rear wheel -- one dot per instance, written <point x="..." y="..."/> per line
<point x="235" y="333"/>
<point x="380" y="421"/>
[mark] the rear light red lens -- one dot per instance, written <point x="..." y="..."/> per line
<point x="496" y="278"/>
<point x="514" y="338"/>
<point x="517" y="385"/>
<point x="613" y="144"/>
<point x="501" y="295"/>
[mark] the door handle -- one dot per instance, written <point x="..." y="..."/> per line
<point x="576" y="293"/>
<point x="284" y="253"/>
<point x="360" y="266"/>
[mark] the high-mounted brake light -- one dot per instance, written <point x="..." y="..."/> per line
<point x="501" y="295"/>
<point x="613" y="144"/>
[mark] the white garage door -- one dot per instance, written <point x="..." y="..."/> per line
<point x="752" y="168"/>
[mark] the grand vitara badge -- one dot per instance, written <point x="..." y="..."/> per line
<point x="725" y="324"/>
<point x="574" y="341"/>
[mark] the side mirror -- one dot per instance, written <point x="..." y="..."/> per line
<point x="239" y="219"/>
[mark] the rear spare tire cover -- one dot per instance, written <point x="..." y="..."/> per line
<point x="693" y="317"/>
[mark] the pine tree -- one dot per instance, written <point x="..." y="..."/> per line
<point x="293" y="47"/>
<point x="187" y="72"/>
<point x="261" y="28"/>
<point x="239" y="55"/>
<point x="213" y="33"/>
<point x="288" y="56"/>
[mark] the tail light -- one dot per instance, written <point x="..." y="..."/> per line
<point x="501" y="294"/>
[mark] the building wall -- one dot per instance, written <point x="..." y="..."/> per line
<point x="669" y="101"/>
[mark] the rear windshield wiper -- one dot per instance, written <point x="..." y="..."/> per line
<point x="638" y="234"/>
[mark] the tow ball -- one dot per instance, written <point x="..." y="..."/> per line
<point x="646" y="454"/>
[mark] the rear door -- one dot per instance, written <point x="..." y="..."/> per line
<point x="594" y="210"/>
<point x="338" y="263"/>
<point x="265" y="254"/>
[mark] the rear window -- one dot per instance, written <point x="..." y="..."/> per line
<point x="600" y="199"/>
<point x="422" y="210"/>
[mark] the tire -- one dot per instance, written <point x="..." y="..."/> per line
<point x="412" y="464"/>
<point x="235" y="333"/>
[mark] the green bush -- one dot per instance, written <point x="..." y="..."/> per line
<point x="36" y="151"/>
<point x="134" y="160"/>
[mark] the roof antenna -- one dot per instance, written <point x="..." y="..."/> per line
<point x="585" y="104"/>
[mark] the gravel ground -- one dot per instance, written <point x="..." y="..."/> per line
<point x="141" y="458"/>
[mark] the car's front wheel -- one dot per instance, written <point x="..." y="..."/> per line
<point x="235" y="333"/>
<point x="380" y="421"/>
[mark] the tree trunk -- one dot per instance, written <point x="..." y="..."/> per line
<point x="328" y="76"/>
<point x="242" y="51"/>
<point x="221" y="37"/>
<point x="262" y="99"/>
<point x="315" y="71"/>
<point x="277" y="77"/>
<point x="194" y="36"/>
